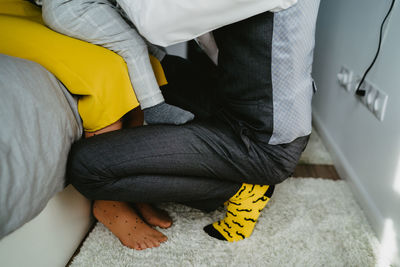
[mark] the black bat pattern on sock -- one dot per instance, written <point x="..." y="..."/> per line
<point x="227" y="225"/>
<point x="229" y="234"/>
<point x="246" y="210"/>
<point x="237" y="223"/>
<point x="241" y="191"/>
<point x="263" y="198"/>
<point x="249" y="219"/>
<point x="237" y="204"/>
<point x="219" y="223"/>
<point x="230" y="212"/>
<point x="252" y="188"/>
<point x="270" y="191"/>
<point x="240" y="234"/>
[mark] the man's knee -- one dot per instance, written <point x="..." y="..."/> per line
<point x="285" y="170"/>
<point x="275" y="174"/>
<point x="82" y="170"/>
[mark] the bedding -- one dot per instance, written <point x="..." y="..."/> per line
<point x="39" y="122"/>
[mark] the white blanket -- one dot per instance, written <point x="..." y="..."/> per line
<point x="166" y="22"/>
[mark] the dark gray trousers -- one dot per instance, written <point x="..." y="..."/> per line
<point x="200" y="164"/>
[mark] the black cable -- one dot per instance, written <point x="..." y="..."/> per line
<point x="359" y="91"/>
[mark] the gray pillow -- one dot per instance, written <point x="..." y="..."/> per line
<point x="38" y="124"/>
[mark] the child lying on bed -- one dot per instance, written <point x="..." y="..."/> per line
<point x="103" y="23"/>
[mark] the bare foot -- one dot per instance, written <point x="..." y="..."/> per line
<point x="127" y="225"/>
<point x="154" y="216"/>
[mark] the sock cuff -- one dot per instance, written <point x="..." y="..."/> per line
<point x="246" y="190"/>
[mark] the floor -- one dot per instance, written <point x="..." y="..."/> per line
<point x="316" y="171"/>
<point x="308" y="222"/>
<point x="315" y="152"/>
<point x="316" y="162"/>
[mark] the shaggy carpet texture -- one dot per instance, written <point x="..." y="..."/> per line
<point x="315" y="152"/>
<point x="308" y="222"/>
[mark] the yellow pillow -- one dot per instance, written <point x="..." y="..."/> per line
<point x="97" y="74"/>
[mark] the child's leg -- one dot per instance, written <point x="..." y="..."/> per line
<point x="99" y="22"/>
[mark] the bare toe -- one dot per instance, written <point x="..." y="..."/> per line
<point x="162" y="239"/>
<point x="136" y="246"/>
<point x="149" y="244"/>
<point x="145" y="245"/>
<point x="154" y="216"/>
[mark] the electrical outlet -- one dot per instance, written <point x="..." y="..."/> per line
<point x="375" y="100"/>
<point x="370" y="95"/>
<point x="345" y="78"/>
<point x="379" y="105"/>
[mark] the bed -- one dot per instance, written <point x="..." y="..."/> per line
<point x="39" y="121"/>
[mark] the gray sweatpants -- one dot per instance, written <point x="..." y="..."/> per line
<point x="101" y="22"/>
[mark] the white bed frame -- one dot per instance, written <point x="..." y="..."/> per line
<point x="53" y="236"/>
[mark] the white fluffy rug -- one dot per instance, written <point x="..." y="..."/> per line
<point x="308" y="222"/>
<point x="315" y="152"/>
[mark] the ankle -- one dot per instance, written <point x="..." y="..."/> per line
<point x="112" y="127"/>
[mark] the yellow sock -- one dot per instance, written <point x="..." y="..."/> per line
<point x="243" y="210"/>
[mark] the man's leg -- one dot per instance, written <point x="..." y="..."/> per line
<point x="245" y="79"/>
<point x="194" y="162"/>
<point x="184" y="163"/>
<point x="201" y="76"/>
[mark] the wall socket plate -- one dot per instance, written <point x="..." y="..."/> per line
<point x="375" y="99"/>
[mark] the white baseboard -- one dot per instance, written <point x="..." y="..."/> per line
<point x="347" y="173"/>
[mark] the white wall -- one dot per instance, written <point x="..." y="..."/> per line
<point x="366" y="151"/>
